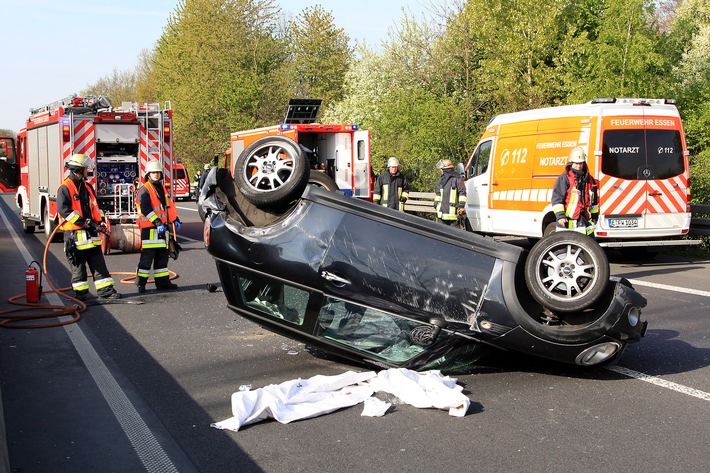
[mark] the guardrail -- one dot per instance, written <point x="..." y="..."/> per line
<point x="699" y="226"/>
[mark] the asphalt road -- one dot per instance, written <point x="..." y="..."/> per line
<point x="135" y="387"/>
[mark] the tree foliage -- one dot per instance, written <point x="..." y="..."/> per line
<point x="429" y="91"/>
<point x="320" y="57"/>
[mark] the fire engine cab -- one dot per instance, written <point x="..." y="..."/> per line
<point x="118" y="141"/>
<point x="339" y="154"/>
<point x="8" y="164"/>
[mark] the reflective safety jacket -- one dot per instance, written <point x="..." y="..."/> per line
<point x="450" y="195"/>
<point x="75" y="220"/>
<point x="568" y="200"/>
<point x="390" y="190"/>
<point x="160" y="209"/>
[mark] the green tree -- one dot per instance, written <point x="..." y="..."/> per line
<point x="613" y="48"/>
<point x="320" y="54"/>
<point x="221" y="64"/>
<point x="120" y="87"/>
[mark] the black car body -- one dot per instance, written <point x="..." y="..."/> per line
<point x="395" y="290"/>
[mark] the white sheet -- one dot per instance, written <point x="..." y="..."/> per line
<point x="302" y="399"/>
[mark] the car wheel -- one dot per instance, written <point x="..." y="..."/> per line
<point x="566" y="271"/>
<point x="272" y="171"/>
<point x="319" y="179"/>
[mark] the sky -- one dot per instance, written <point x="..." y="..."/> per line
<point x="56" y="48"/>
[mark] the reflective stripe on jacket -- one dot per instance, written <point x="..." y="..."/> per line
<point x="83" y="239"/>
<point x="158" y="211"/>
<point x="450" y="196"/>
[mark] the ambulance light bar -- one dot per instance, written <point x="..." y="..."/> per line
<point x="637" y="101"/>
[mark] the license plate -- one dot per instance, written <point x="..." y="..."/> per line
<point x="623" y="222"/>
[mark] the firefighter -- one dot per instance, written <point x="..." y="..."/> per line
<point x="391" y="189"/>
<point x="203" y="177"/>
<point x="82" y="223"/>
<point x="157" y="215"/>
<point x="450" y="199"/>
<point x="575" y="195"/>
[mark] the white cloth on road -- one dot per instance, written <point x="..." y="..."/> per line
<point x="302" y="399"/>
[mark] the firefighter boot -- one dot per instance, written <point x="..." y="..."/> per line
<point x="140" y="283"/>
<point x="164" y="284"/>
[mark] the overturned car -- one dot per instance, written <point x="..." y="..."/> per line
<point x="395" y="290"/>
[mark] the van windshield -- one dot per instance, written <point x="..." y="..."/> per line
<point x="642" y="154"/>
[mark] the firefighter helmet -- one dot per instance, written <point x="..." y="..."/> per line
<point x="393" y="163"/>
<point x="447" y="164"/>
<point x="207" y="167"/>
<point x="78" y="162"/>
<point x="577" y="155"/>
<point x="153" y="166"/>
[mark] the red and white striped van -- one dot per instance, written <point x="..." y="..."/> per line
<point x="635" y="148"/>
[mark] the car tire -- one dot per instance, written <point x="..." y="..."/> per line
<point x="319" y="179"/>
<point x="271" y="172"/>
<point x="567" y="271"/>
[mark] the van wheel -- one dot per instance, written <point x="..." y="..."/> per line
<point x="320" y="179"/>
<point x="271" y="172"/>
<point x="567" y="271"/>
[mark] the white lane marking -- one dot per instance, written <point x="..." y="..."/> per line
<point x="660" y="382"/>
<point x="666" y="287"/>
<point x="145" y="444"/>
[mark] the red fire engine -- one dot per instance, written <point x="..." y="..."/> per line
<point x="118" y="141"/>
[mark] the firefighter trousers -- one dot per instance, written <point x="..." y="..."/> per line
<point x="97" y="265"/>
<point x="157" y="258"/>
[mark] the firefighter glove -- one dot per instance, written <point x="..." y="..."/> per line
<point x="177" y="225"/>
<point x="462" y="211"/>
<point x="403" y="199"/>
<point x="92" y="226"/>
<point x="161" y="230"/>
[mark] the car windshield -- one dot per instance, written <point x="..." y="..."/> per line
<point x="626" y="153"/>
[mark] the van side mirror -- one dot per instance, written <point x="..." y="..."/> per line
<point x="460" y="169"/>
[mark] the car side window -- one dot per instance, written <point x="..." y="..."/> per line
<point x="388" y="336"/>
<point x="274" y="298"/>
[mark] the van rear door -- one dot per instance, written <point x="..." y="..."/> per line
<point x="643" y="175"/>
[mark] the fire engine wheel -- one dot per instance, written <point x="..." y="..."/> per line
<point x="28" y="226"/>
<point x="566" y="271"/>
<point x="319" y="179"/>
<point x="49" y="226"/>
<point x="271" y="172"/>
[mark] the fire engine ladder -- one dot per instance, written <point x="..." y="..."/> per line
<point x="153" y="119"/>
<point x="65" y="102"/>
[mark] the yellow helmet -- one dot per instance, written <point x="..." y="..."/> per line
<point x="577" y="155"/>
<point x="78" y="162"/>
<point x="153" y="166"/>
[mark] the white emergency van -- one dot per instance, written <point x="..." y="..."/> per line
<point x="635" y="149"/>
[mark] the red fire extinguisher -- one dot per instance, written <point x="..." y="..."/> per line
<point x="33" y="282"/>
